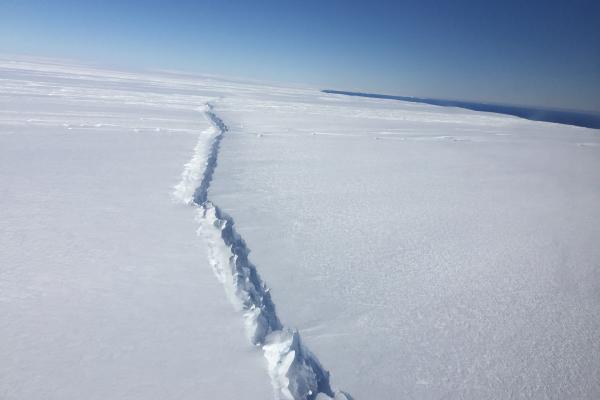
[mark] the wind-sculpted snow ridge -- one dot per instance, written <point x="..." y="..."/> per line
<point x="295" y="372"/>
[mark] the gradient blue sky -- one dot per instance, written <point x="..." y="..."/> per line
<point x="544" y="53"/>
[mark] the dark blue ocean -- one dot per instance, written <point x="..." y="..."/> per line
<point x="587" y="120"/>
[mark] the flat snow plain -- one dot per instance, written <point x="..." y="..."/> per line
<point x="422" y="252"/>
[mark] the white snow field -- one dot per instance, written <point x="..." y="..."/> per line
<point x="410" y="251"/>
<point x="104" y="288"/>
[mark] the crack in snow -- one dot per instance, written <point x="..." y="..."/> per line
<point x="295" y="372"/>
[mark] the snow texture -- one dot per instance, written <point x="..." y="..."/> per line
<point x="439" y="252"/>
<point x="104" y="291"/>
<point x="421" y="252"/>
<point x="295" y="372"/>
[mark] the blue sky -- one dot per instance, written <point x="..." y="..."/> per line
<point x="544" y="53"/>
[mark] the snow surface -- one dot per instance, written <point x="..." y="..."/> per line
<point x="420" y="251"/>
<point x="105" y="291"/>
<point x="295" y="371"/>
<point x="423" y="252"/>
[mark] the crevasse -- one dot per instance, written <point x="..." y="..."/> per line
<point x="295" y="372"/>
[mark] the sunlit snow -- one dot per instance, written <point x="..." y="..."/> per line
<point x="418" y="251"/>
